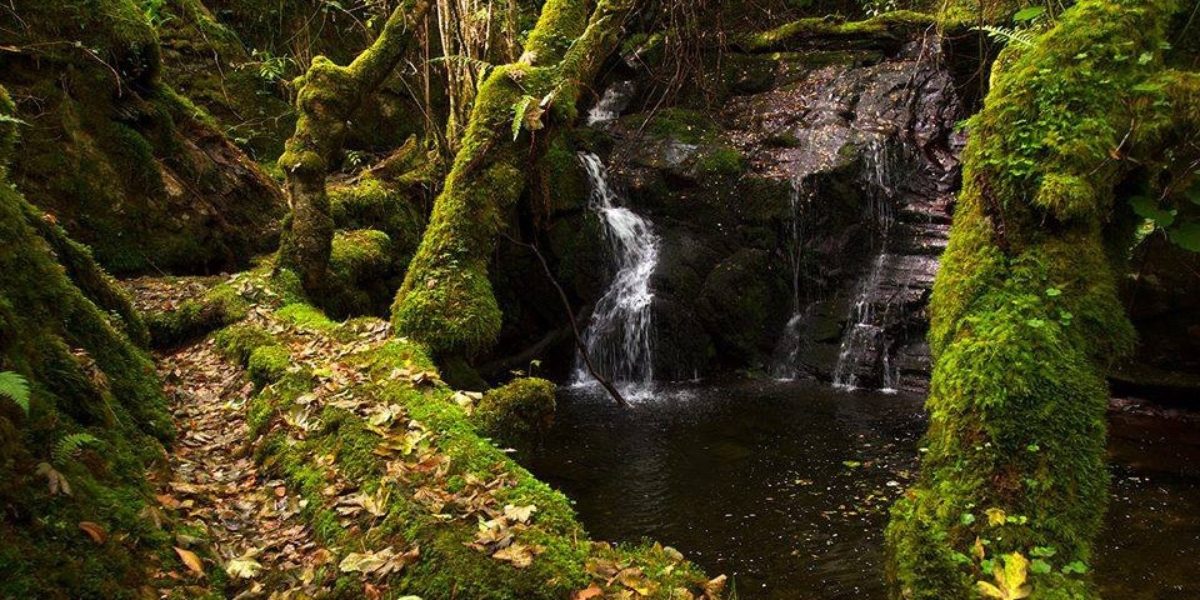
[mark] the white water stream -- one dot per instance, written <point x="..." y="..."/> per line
<point x="619" y="337"/>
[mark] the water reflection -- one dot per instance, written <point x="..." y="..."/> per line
<point x="785" y="486"/>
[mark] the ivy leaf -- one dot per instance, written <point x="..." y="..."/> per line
<point x="1010" y="580"/>
<point x="1147" y="208"/>
<point x="1039" y="567"/>
<point x="996" y="517"/>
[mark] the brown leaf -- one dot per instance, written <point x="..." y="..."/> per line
<point x="190" y="559"/>
<point x="54" y="480"/>
<point x="592" y="591"/>
<point x="94" y="531"/>
<point x="714" y="587"/>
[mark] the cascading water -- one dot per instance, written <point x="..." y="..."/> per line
<point x="865" y="348"/>
<point x="786" y="364"/>
<point x="619" y="336"/>
<point x="614" y="100"/>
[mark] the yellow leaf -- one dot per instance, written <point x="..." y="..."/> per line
<point x="243" y="567"/>
<point x="977" y="550"/>
<point x="520" y="514"/>
<point x="989" y="590"/>
<point x="996" y="516"/>
<point x="190" y="560"/>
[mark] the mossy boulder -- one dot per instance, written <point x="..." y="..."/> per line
<point x="196" y="317"/>
<point x="517" y="412"/>
<point x="125" y="164"/>
<point x="445" y="468"/>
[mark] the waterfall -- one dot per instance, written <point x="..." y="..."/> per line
<point x="619" y="336"/>
<point x="614" y="100"/>
<point x="786" y="362"/>
<point x="865" y="348"/>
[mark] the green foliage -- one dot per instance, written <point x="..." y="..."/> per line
<point x="14" y="387"/>
<point x="1008" y="34"/>
<point x="1025" y="317"/>
<point x="66" y="448"/>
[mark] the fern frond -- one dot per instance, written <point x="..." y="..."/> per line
<point x="69" y="445"/>
<point x="520" y="109"/>
<point x="1007" y="34"/>
<point x="14" y="387"/>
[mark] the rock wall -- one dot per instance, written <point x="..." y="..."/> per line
<point x="780" y="198"/>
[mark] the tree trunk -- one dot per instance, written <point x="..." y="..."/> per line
<point x="446" y="300"/>
<point x="329" y="95"/>
<point x="1025" y="315"/>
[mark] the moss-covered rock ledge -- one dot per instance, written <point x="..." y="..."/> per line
<point x="400" y="483"/>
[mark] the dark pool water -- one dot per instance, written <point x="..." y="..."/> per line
<point x="785" y="486"/>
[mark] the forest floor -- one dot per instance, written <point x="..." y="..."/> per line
<point x="334" y="468"/>
<point x="247" y="521"/>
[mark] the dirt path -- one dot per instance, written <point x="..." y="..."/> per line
<point x="229" y="510"/>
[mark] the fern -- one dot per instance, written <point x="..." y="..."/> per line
<point x="14" y="387"/>
<point x="1007" y="34"/>
<point x="69" y="445"/>
<point x="520" y="110"/>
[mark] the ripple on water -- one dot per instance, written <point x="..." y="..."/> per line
<point x="785" y="485"/>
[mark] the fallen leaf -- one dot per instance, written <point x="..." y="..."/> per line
<point x="190" y="560"/>
<point x="518" y="554"/>
<point x="996" y="516"/>
<point x="520" y="514"/>
<point x="94" y="531"/>
<point x="592" y="591"/>
<point x="243" y="567"/>
<point x="54" y="480"/>
<point x="714" y="587"/>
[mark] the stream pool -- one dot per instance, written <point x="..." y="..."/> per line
<point x="785" y="486"/>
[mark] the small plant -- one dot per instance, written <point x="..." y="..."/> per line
<point x="14" y="387"/>
<point x="271" y="68"/>
<point x="154" y="11"/>
<point x="874" y="8"/>
<point x="71" y="444"/>
<point x="356" y="158"/>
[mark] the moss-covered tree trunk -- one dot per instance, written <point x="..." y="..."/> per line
<point x="1025" y="315"/>
<point x="329" y="94"/>
<point x="446" y="300"/>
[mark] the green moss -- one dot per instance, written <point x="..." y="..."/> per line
<point x="797" y="33"/>
<point x="86" y="376"/>
<point x="268" y="364"/>
<point x="344" y="448"/>
<point x="372" y="203"/>
<point x="124" y="164"/>
<point x="1025" y="316"/>
<point x="680" y="124"/>
<point x="194" y="318"/>
<point x="237" y="342"/>
<point x="721" y="161"/>
<point x="518" y="412"/>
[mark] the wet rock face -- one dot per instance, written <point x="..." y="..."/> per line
<point x="820" y="168"/>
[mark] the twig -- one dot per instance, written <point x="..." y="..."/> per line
<point x="587" y="359"/>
